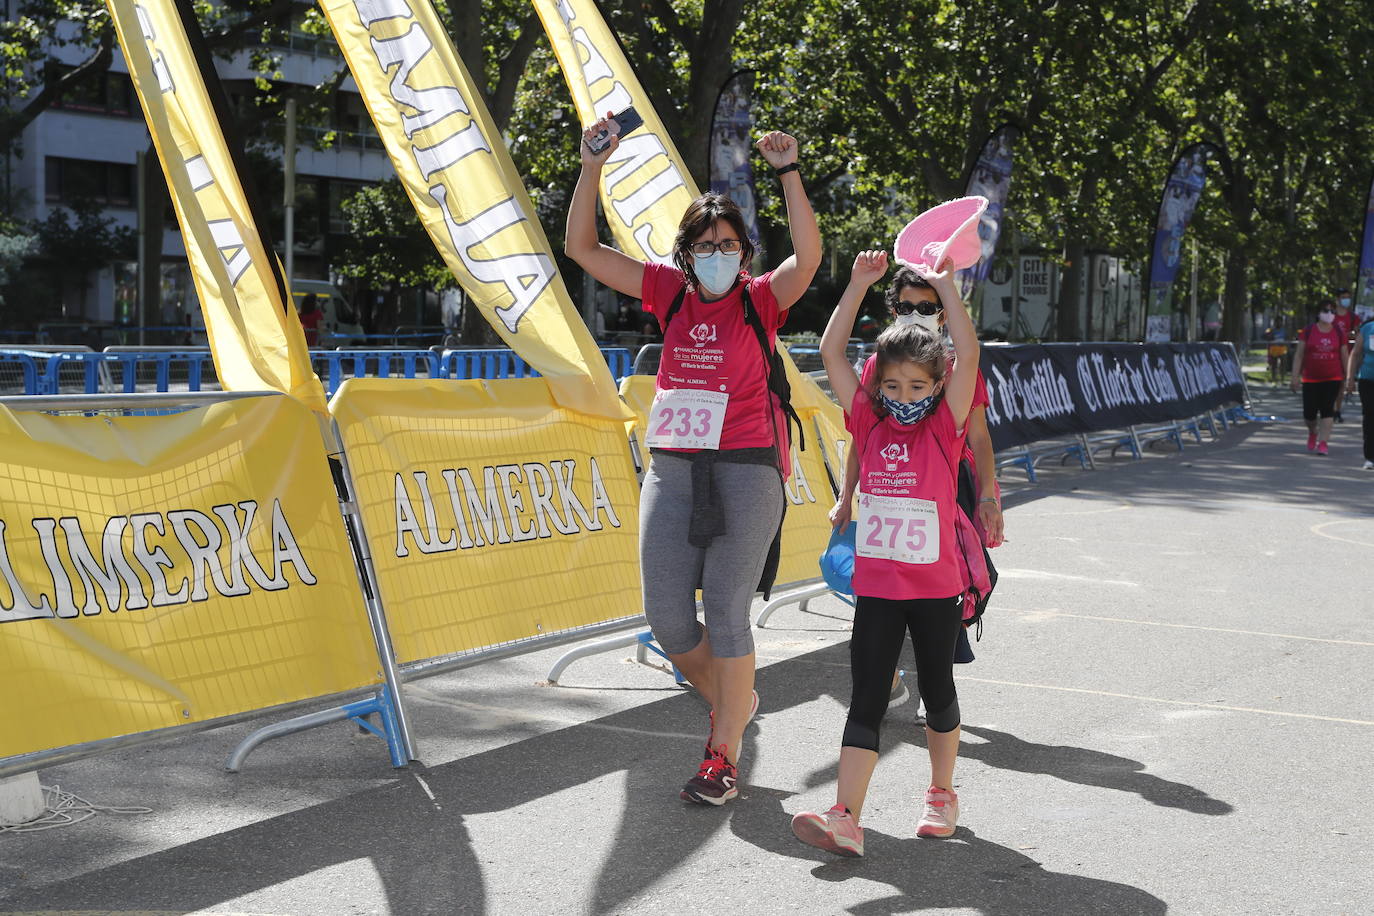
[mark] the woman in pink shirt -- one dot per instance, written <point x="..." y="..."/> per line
<point x="1318" y="371"/>
<point x="908" y="426"/>
<point x="712" y="501"/>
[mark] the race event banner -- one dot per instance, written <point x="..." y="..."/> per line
<point x="157" y="571"/>
<point x="492" y="514"/>
<point x="732" y="143"/>
<point x="1039" y="391"/>
<point x="460" y="178"/>
<point x="991" y="178"/>
<point x="255" y="337"/>
<point x="1364" y="281"/>
<point x="1182" y="191"/>
<point x="645" y="187"/>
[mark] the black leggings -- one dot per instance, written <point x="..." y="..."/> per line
<point x="880" y="626"/>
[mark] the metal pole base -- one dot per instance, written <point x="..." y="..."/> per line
<point x="800" y="597"/>
<point x="379" y="703"/>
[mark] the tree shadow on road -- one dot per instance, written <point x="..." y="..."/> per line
<point x="963" y="872"/>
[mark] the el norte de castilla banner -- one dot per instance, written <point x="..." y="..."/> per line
<point x="459" y="176"/>
<point x="255" y="337"/>
<point x="1040" y="391"/>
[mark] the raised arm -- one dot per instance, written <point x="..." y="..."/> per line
<point x="608" y="266"/>
<point x="959" y="386"/>
<point x="793" y="276"/>
<point x="869" y="267"/>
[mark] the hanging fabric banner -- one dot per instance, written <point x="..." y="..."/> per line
<point x="1181" y="193"/>
<point x="645" y="187"/>
<point x="990" y="178"/>
<point x="255" y="337"/>
<point x="1364" y="283"/>
<point x="732" y="130"/>
<point x="459" y="176"/>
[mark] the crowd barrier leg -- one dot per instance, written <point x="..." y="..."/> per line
<point x="1085" y="453"/>
<point x="592" y="648"/>
<point x="379" y="703"/>
<point x="800" y="597"/>
<point x="389" y="701"/>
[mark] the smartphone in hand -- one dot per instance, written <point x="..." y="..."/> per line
<point x="621" y="124"/>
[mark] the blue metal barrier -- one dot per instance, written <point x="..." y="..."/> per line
<point x="336" y="365"/>
<point x="502" y="363"/>
<point x="28" y="368"/>
<point x="125" y="372"/>
<point x="91" y="365"/>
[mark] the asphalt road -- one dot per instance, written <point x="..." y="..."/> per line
<point x="1171" y="711"/>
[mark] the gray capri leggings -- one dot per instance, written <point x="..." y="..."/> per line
<point x="728" y="570"/>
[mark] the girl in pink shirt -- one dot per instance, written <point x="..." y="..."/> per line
<point x="908" y="428"/>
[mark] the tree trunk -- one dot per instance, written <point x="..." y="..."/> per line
<point x="712" y="56"/>
<point x="1069" y="304"/>
<point x="1235" y="316"/>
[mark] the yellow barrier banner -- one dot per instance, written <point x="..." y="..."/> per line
<point x="492" y="513"/>
<point x="255" y="337"/>
<point x="645" y="186"/>
<point x="156" y="571"/>
<point x="460" y="178"/>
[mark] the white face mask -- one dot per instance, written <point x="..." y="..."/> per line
<point x="930" y="322"/>
<point x="716" y="272"/>
<point x="1326" y="317"/>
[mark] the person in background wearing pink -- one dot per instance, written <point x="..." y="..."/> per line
<point x="909" y="430"/>
<point x="1318" y="371"/>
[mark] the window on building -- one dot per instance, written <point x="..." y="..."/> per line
<point x="339" y="191"/>
<point x="102" y="93"/>
<point x="70" y="180"/>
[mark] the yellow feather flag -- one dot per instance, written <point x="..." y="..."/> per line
<point x="645" y="187"/>
<point x="460" y="177"/>
<point x="255" y="337"/>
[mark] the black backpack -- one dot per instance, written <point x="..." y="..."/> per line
<point x="776" y="372"/>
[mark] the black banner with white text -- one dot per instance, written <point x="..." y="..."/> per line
<point x="1040" y="391"/>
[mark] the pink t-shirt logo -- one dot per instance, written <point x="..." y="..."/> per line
<point x="895" y="453"/>
<point x="703" y="334"/>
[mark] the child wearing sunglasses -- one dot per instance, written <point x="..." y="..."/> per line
<point x="908" y="429"/>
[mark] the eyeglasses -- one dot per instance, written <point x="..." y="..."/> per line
<point x="921" y="308"/>
<point x="726" y="246"/>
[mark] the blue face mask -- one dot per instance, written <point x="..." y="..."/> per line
<point x="716" y="272"/>
<point x="906" y="414"/>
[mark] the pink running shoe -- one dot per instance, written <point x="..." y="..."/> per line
<point x="1321" y="449"/>
<point x="941" y="814"/>
<point x="1311" y="442"/>
<point x="834" y="831"/>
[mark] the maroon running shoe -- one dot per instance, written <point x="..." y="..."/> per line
<point x="715" y="782"/>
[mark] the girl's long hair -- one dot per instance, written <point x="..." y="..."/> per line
<point x="905" y="343"/>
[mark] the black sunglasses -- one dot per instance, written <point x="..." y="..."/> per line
<point x="921" y="308"/>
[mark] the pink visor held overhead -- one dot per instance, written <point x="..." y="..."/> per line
<point x="949" y="230"/>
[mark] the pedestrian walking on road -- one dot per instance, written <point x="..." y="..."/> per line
<point x="1360" y="377"/>
<point x="909" y="429"/>
<point x="712" y="502"/>
<point x="1318" y="371"/>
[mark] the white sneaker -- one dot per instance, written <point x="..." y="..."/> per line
<point x="1368" y="466"/>
<point x="941" y="814"/>
<point x="900" y="694"/>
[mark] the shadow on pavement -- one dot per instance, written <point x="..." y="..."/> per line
<point x="962" y="873"/>
<point x="427" y="860"/>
